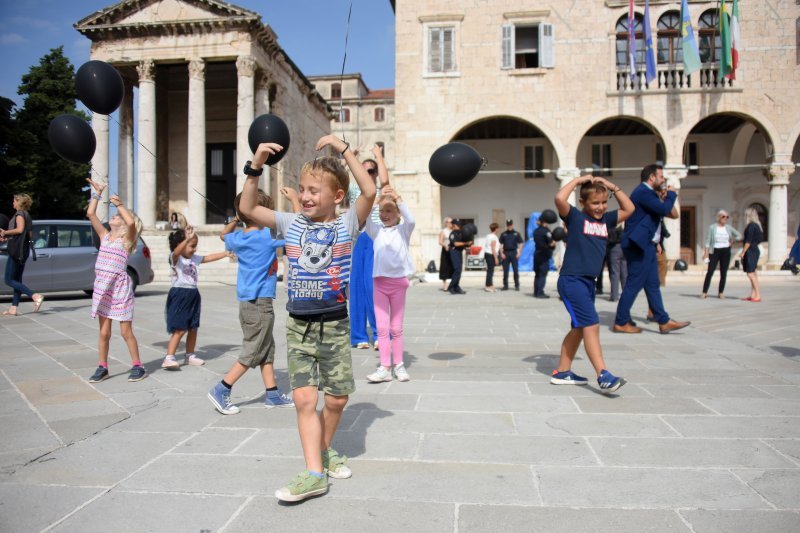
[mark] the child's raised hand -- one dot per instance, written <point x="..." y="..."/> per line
<point x="376" y="151"/>
<point x="290" y="194"/>
<point x="263" y="152"/>
<point x="189" y="233"/>
<point x="115" y="200"/>
<point x="333" y="141"/>
<point x="98" y="187"/>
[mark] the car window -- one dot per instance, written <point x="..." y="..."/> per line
<point x="40" y="236"/>
<point x="74" y="236"/>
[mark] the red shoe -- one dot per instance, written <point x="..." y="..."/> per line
<point x="748" y="299"/>
<point x="754" y="300"/>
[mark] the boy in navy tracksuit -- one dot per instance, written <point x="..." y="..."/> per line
<point x="587" y="236"/>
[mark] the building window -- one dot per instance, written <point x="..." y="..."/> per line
<point x="692" y="158"/>
<point x="669" y="48"/>
<point x="441" y="49"/>
<point x="534" y="161"/>
<point x="343" y="115"/>
<point x="710" y="45"/>
<point x="380" y="114"/>
<point x="601" y="158"/>
<point x="336" y="90"/>
<point x="660" y="154"/>
<point x="622" y="40"/>
<point x="528" y="46"/>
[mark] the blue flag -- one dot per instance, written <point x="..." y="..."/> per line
<point x="649" y="53"/>
<point x="691" y="57"/>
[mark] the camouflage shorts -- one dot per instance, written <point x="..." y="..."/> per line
<point x="318" y="354"/>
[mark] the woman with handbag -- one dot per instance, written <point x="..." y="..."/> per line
<point x="19" y="246"/>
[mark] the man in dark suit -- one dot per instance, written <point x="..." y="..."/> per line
<point x="639" y="241"/>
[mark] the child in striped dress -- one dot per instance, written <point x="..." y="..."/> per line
<point x="112" y="297"/>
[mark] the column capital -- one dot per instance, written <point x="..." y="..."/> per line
<point x="779" y="173"/>
<point x="567" y="174"/>
<point x="197" y="69"/>
<point x="246" y="66"/>
<point x="147" y="70"/>
<point x="674" y="174"/>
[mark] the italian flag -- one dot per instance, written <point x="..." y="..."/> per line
<point x="736" y="40"/>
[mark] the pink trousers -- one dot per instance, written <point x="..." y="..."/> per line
<point x="389" y="295"/>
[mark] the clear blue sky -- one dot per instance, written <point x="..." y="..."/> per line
<point x="311" y="31"/>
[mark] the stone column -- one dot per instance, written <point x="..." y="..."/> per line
<point x="778" y="212"/>
<point x="196" y="152"/>
<point x="146" y="186"/>
<point x="672" y="246"/>
<point x="262" y="107"/>
<point x="245" y="112"/>
<point x="125" y="147"/>
<point x="100" y="161"/>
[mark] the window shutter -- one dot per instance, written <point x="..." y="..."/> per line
<point x="435" y="50"/>
<point x="448" y="47"/>
<point x="508" y="46"/>
<point x="547" y="57"/>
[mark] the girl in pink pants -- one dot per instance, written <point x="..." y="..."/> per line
<point x="390" y="272"/>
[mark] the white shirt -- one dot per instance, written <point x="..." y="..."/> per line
<point x="184" y="272"/>
<point x="487" y="244"/>
<point x="721" y="237"/>
<point x="390" y="246"/>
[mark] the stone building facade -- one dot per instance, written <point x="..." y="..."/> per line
<point x="542" y="90"/>
<point x="202" y="71"/>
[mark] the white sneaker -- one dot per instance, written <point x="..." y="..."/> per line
<point x="362" y="345"/>
<point x="380" y="375"/>
<point x="170" y="362"/>
<point x="193" y="360"/>
<point x="400" y="373"/>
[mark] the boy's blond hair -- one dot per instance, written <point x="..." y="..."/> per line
<point x="330" y="170"/>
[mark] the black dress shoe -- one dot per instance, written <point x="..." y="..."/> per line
<point x="460" y="291"/>
<point x="504" y="289"/>
<point x="516" y="289"/>
<point x="542" y="296"/>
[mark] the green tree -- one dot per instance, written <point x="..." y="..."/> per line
<point x="34" y="168"/>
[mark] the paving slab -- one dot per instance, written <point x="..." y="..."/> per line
<point x="708" y="521"/>
<point x="34" y="507"/>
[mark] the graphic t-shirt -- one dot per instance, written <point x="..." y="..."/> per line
<point x="587" y="238"/>
<point x="258" y="266"/>
<point x="320" y="255"/>
<point x="184" y="272"/>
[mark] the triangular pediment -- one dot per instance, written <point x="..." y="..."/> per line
<point x="145" y="12"/>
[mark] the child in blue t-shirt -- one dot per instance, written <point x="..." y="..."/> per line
<point x="255" y="289"/>
<point x="587" y="236"/>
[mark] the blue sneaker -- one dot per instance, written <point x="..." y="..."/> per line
<point x="220" y="397"/>
<point x="138" y="373"/>
<point x="609" y="382"/>
<point x="276" y="399"/>
<point x="567" y="378"/>
<point x="99" y="375"/>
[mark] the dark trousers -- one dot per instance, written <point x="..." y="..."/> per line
<point x="642" y="274"/>
<point x="617" y="271"/>
<point x="13" y="279"/>
<point x="489" y="258"/>
<point x="510" y="259"/>
<point x="723" y="257"/>
<point x="457" y="258"/>
<point x="541" y="265"/>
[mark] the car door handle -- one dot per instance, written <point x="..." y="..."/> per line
<point x="42" y="255"/>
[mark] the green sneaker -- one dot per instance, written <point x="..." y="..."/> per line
<point x="335" y="465"/>
<point x="303" y="486"/>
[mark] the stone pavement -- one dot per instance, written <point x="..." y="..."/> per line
<point x="704" y="437"/>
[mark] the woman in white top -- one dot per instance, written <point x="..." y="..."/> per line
<point x="491" y="247"/>
<point x="390" y="272"/>
<point x="721" y="236"/>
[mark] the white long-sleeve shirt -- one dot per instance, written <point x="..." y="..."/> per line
<point x="390" y="246"/>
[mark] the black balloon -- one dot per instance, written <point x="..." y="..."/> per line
<point x="99" y="87"/>
<point x="269" y="128"/>
<point x="454" y="164"/>
<point x="559" y="234"/>
<point x="681" y="266"/>
<point x="72" y="138"/>
<point x="549" y="216"/>
<point x="468" y="232"/>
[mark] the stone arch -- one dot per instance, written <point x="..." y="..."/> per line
<point x="743" y="127"/>
<point x="624" y="125"/>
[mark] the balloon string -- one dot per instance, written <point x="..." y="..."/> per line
<point x="341" y="77"/>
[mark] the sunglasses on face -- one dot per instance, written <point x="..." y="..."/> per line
<point x="372" y="171"/>
<point x="723" y="216"/>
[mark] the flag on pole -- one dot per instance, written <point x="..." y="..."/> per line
<point x="649" y="53"/>
<point x="736" y="40"/>
<point x="691" y="57"/>
<point x="725" y="62"/>
<point x="632" y="41"/>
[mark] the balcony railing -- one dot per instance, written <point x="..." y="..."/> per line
<point x="672" y="77"/>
